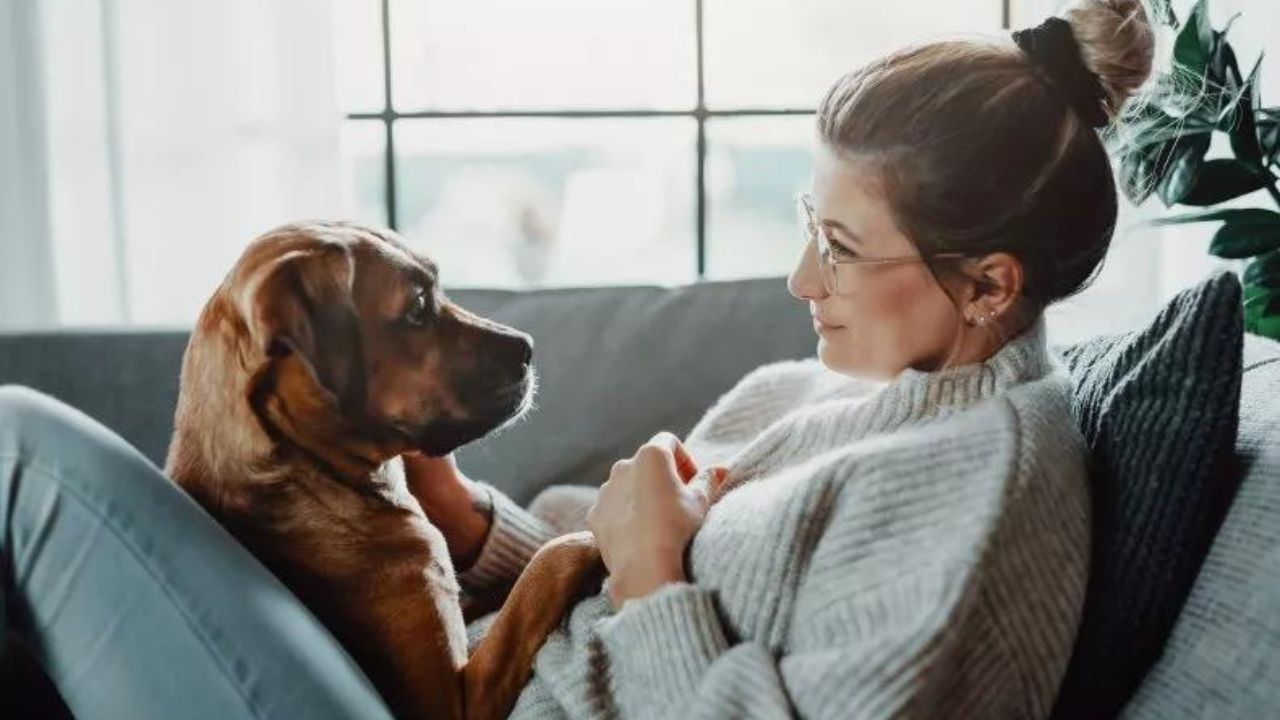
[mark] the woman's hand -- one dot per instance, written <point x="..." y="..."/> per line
<point x="453" y="503"/>
<point x="644" y="517"/>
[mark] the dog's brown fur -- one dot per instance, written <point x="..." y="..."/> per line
<point x="302" y="384"/>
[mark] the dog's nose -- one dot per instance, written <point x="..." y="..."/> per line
<point x="525" y="347"/>
<point x="516" y="347"/>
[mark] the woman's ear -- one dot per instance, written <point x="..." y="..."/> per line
<point x="997" y="284"/>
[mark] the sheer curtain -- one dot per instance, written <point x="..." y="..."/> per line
<point x="162" y="136"/>
<point x="26" y="268"/>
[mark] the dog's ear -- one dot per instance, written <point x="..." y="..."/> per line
<point x="301" y="305"/>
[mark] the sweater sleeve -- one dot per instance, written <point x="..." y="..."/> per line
<point x="926" y="595"/>
<point x="669" y="656"/>
<point x="669" y="651"/>
<point x="514" y="536"/>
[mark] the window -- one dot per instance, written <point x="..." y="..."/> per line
<point x="562" y="142"/>
<point x="571" y="142"/>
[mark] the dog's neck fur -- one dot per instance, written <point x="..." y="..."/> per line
<point x="254" y="438"/>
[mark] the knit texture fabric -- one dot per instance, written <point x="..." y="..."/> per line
<point x="1159" y="407"/>
<point x="1220" y="661"/>
<point x="916" y="548"/>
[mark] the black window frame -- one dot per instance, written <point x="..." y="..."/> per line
<point x="388" y="116"/>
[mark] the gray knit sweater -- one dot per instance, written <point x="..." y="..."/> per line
<point x="911" y="549"/>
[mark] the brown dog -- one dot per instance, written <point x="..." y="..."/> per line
<point x="327" y="352"/>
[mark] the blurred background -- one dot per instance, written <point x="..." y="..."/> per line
<point x="523" y="144"/>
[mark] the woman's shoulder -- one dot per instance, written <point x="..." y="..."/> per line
<point x="1043" y="409"/>
<point x="1034" y="422"/>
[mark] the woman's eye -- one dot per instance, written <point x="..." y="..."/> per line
<point x="419" y="312"/>
<point x="841" y="251"/>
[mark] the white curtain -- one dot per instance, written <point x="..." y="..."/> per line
<point x="161" y="135"/>
<point x="26" y="265"/>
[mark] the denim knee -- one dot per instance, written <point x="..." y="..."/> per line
<point x="39" y="427"/>
<point x="21" y="408"/>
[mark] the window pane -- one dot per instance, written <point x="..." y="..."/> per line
<point x="755" y="166"/>
<point x="534" y="202"/>
<point x="774" y="53"/>
<point x="357" y="35"/>
<point x="485" y="54"/>
<point x="364" y="173"/>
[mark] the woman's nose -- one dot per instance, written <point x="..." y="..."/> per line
<point x="805" y="280"/>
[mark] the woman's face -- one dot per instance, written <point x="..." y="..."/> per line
<point x="888" y="317"/>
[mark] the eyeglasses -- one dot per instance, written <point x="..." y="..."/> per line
<point x="838" y="263"/>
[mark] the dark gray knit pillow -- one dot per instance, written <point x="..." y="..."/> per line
<point x="1223" y="659"/>
<point x="1158" y="408"/>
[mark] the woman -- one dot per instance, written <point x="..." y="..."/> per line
<point x="912" y="549"/>
<point x="898" y="528"/>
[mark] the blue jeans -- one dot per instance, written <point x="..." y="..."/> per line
<point x="135" y="601"/>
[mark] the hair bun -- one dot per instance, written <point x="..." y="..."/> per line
<point x="1116" y="43"/>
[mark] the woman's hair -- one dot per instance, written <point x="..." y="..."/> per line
<point x="978" y="151"/>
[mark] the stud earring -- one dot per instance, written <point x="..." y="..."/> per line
<point x="983" y="319"/>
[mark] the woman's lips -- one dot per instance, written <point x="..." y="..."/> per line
<point x="820" y="326"/>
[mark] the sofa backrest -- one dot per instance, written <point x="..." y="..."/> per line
<point x="616" y="365"/>
<point x="127" y="380"/>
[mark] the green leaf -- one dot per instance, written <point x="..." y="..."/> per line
<point x="1259" y="299"/>
<point x="1232" y="215"/>
<point x="1223" y="179"/>
<point x="1183" y="168"/>
<point x="1268" y="326"/>
<point x="1223" y="70"/>
<point x="1195" y="41"/>
<point x="1263" y="271"/>
<point x="1269" y="138"/>
<point x="1157" y="127"/>
<point x="1135" y="177"/>
<point x="1262" y="311"/>
<point x="1244" y="131"/>
<point x="1244" y="238"/>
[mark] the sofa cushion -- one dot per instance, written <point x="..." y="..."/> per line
<point x="1158" y="408"/>
<point x="1223" y="659"/>
<point x="616" y="365"/>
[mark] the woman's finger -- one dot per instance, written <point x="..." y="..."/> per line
<point x="718" y="474"/>
<point x="686" y="467"/>
<point x="618" y="467"/>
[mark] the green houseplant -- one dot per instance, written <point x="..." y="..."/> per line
<point x="1162" y="147"/>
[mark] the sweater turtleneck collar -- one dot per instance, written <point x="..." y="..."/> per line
<point x="832" y="420"/>
<point x="1023" y="358"/>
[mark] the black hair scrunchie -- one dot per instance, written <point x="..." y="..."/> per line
<point x="1052" y="46"/>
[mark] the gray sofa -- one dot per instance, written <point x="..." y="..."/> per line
<point x="619" y="364"/>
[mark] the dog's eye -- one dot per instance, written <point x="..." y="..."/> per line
<point x="419" y="312"/>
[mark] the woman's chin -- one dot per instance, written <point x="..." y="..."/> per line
<point x="838" y="357"/>
<point x="831" y="354"/>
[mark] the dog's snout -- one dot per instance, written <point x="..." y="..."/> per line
<point x="522" y="347"/>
